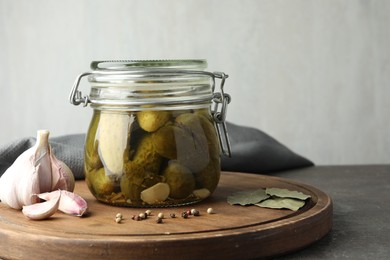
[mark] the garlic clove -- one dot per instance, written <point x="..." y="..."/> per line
<point x="62" y="176"/>
<point x="113" y="130"/>
<point x="70" y="203"/>
<point x="43" y="210"/>
<point x="155" y="194"/>
<point x="201" y="193"/>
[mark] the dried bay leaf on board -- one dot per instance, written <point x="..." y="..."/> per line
<point x="249" y="197"/>
<point x="285" y="193"/>
<point x="282" y="203"/>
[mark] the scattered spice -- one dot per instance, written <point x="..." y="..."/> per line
<point x="210" y="211"/>
<point x="118" y="218"/>
<point x="160" y="216"/>
<point x="195" y="212"/>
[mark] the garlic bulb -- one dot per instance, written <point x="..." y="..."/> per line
<point x="35" y="171"/>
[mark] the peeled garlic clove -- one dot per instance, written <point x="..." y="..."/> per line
<point x="70" y="203"/>
<point x="157" y="193"/>
<point x="201" y="193"/>
<point x="62" y="176"/>
<point x="43" y="210"/>
<point x="30" y="174"/>
<point x="113" y="130"/>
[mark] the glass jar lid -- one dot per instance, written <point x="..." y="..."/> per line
<point x="133" y="85"/>
<point x="119" y="65"/>
<point x="150" y="84"/>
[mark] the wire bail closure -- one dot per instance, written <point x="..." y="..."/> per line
<point x="220" y="100"/>
<point x="76" y="96"/>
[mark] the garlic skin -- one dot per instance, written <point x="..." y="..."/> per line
<point x="70" y="203"/>
<point x="45" y="209"/>
<point x="35" y="171"/>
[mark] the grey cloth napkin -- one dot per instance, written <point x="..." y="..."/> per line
<point x="253" y="151"/>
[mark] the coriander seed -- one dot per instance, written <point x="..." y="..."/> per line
<point x="210" y="211"/>
<point x="160" y="215"/>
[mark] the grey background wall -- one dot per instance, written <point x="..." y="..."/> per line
<point x="313" y="74"/>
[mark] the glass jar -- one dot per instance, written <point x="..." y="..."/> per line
<point x="156" y="132"/>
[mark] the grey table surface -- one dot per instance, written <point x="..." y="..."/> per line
<point x="361" y="211"/>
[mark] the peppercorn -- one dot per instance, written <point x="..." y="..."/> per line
<point x="184" y="214"/>
<point x="195" y="212"/>
<point x="133" y="217"/>
<point x="172" y="215"/>
<point x="188" y="212"/>
<point x="143" y="215"/>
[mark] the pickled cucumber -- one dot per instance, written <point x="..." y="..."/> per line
<point x="146" y="155"/>
<point x="180" y="180"/>
<point x="208" y="177"/>
<point x="99" y="182"/>
<point x="92" y="159"/>
<point x="150" y="121"/>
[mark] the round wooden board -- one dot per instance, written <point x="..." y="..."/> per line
<point x="232" y="232"/>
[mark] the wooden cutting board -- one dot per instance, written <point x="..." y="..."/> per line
<point x="232" y="232"/>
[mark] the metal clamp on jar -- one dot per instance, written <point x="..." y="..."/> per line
<point x="157" y="131"/>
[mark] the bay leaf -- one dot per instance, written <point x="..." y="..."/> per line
<point x="285" y="193"/>
<point x="282" y="203"/>
<point x="248" y="197"/>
